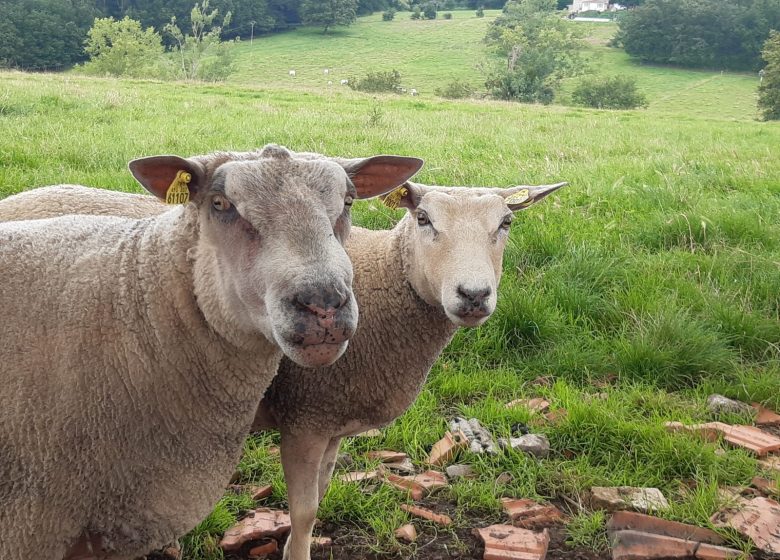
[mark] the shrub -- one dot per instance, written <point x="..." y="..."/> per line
<point x="769" y="90"/>
<point x="480" y="12"/>
<point x="447" y="16"/>
<point x="429" y="11"/>
<point x="456" y="89"/>
<point x="416" y="14"/>
<point x="388" y="15"/>
<point x="611" y="92"/>
<point x="374" y="82"/>
<point x="122" y="48"/>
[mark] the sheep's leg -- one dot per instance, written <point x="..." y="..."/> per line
<point x="327" y="465"/>
<point x="301" y="459"/>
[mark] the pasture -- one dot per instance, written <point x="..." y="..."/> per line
<point x="650" y="282"/>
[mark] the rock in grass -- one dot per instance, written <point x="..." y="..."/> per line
<point x="534" y="444"/>
<point x="718" y="405"/>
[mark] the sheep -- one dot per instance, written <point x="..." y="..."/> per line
<point x="135" y="351"/>
<point x="326" y="71"/>
<point x="413" y="294"/>
<point x="292" y="73"/>
<point x="344" y="82"/>
<point x="413" y="91"/>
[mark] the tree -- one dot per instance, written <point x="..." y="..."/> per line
<point x="769" y="90"/>
<point x="122" y="48"/>
<point x="327" y="13"/>
<point x="201" y="56"/>
<point x="615" y="92"/>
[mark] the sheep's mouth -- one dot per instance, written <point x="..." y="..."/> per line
<point x="470" y="318"/>
<point x="315" y="355"/>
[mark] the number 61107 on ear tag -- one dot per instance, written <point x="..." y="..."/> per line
<point x="178" y="192"/>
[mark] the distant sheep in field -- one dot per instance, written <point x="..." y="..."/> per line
<point x="330" y="83"/>
<point x="292" y="73"/>
<point x="326" y="71"/>
<point x="344" y="82"/>
<point x="413" y="91"/>
<point x="135" y="351"/>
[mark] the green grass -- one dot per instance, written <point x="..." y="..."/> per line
<point x="652" y="278"/>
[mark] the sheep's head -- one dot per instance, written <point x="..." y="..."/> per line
<point x="456" y="241"/>
<point x="269" y="255"/>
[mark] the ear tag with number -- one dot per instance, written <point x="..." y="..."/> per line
<point x="393" y="199"/>
<point x="519" y="197"/>
<point x="178" y="192"/>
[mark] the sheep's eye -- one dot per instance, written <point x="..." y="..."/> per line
<point x="220" y="203"/>
<point x="348" y="201"/>
<point x="507" y="223"/>
<point x="422" y="219"/>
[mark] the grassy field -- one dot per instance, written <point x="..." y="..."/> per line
<point x="650" y="282"/>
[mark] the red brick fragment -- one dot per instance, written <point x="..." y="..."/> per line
<point x="748" y="437"/>
<point x="443" y="451"/>
<point x="414" y="488"/>
<point x="711" y="552"/>
<point x="771" y="463"/>
<point x="427" y="514"/>
<point x="764" y="416"/>
<point x="357" y="476"/>
<point x="260" y="492"/>
<point x="758" y="520"/>
<point x="765" y="485"/>
<point x="386" y="456"/>
<point x="631" y="521"/>
<point x="504" y="542"/>
<point x="264" y="549"/>
<point x="321" y="542"/>
<point x="172" y="552"/>
<point x="259" y="524"/>
<point x="557" y="415"/>
<point x="637" y="545"/>
<point x="406" y="533"/>
<point x="274" y="450"/>
<point x="528" y="514"/>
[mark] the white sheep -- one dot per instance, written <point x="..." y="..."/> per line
<point x="436" y="270"/>
<point x="344" y="82"/>
<point x="330" y="82"/>
<point x="135" y="350"/>
<point x="413" y="91"/>
<point x="326" y="71"/>
<point x="292" y="73"/>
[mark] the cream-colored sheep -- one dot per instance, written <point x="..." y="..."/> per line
<point x="436" y="270"/>
<point x="134" y="351"/>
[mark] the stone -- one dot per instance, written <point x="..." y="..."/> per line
<point x="358" y="476"/>
<point x="537" y="404"/>
<point x="626" y="497"/>
<point x="406" y="533"/>
<point x="771" y="463"/>
<point x="443" y="451"/>
<point x="632" y="521"/>
<point x="172" y="552"/>
<point x="386" y="456"/>
<point x="534" y="444"/>
<point x="344" y="461"/>
<point x="504" y="542"/>
<point x="764" y="416"/>
<point x="718" y="404"/>
<point x="479" y="439"/>
<point x="758" y="519"/>
<point x="556" y="416"/>
<point x="529" y="514"/>
<point x="427" y="514"/>
<point x="504" y="478"/>
<point x="321" y="542"/>
<point x="264" y="550"/>
<point x="373" y="433"/>
<point x="260" y="523"/>
<point x="404" y="467"/>
<point x="455" y="472"/>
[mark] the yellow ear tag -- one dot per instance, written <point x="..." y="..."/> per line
<point x="178" y="193"/>
<point x="519" y="197"/>
<point x="393" y="199"/>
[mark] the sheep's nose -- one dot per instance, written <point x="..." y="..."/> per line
<point x="322" y="303"/>
<point x="475" y="297"/>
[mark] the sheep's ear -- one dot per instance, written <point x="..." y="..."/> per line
<point x="523" y="196"/>
<point x="163" y="176"/>
<point x="379" y="175"/>
<point x="406" y="196"/>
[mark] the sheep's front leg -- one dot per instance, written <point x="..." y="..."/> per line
<point x="301" y="459"/>
<point x="327" y="465"/>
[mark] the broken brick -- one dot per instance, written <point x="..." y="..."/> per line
<point x="274" y="450"/>
<point x="771" y="463"/>
<point x="748" y="437"/>
<point x="632" y="521"/>
<point x="386" y="456"/>
<point x="427" y="514"/>
<point x="626" y="497"/>
<point x="460" y="471"/>
<point x="537" y="404"/>
<point x="415" y="489"/>
<point x="443" y="451"/>
<point x="405" y="466"/>
<point x="372" y="433"/>
<point x="758" y="519"/>
<point x="321" y="542"/>
<point x="260" y="492"/>
<point x="529" y="514"/>
<point x="765" y="417"/>
<point x="172" y="552"/>
<point x="555" y="416"/>
<point x="406" y="533"/>
<point x="259" y="524"/>
<point x="504" y="542"/>
<point x="358" y="476"/>
<point x="418" y="485"/>
<point x="765" y="485"/>
<point x="637" y="545"/>
<point x="264" y="549"/>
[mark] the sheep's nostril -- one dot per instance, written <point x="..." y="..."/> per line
<point x="475" y="297"/>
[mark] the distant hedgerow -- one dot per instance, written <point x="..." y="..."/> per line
<point x="456" y="89"/>
<point x="388" y="15"/>
<point x="611" y="92"/>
